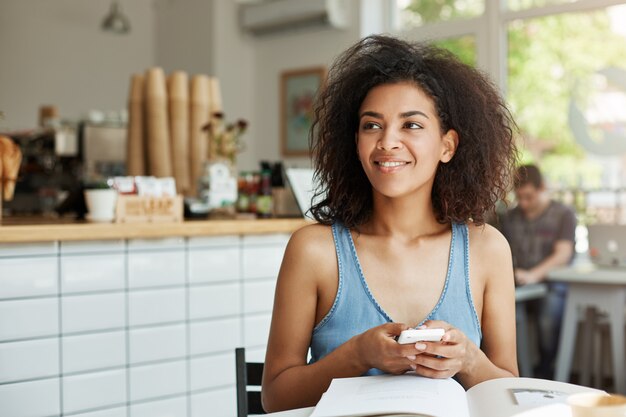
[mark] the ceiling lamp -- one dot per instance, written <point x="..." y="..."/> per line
<point x="115" y="21"/>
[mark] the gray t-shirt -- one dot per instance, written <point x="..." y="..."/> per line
<point x="532" y="241"/>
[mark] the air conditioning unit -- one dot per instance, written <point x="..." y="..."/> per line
<point x="285" y="15"/>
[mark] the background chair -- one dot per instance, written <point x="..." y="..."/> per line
<point x="249" y="374"/>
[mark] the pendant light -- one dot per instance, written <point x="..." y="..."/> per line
<point x="115" y="21"/>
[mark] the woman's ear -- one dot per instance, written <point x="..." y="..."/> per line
<point x="450" y="143"/>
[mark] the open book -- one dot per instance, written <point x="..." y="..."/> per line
<point x="413" y="395"/>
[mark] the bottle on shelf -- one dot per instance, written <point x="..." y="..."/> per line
<point x="253" y="182"/>
<point x="264" y="198"/>
<point x="243" y="196"/>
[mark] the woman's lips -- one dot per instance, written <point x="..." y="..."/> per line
<point x="390" y="166"/>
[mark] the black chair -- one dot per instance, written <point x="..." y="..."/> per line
<point x="249" y="374"/>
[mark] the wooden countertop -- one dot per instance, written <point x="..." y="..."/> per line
<point x="45" y="231"/>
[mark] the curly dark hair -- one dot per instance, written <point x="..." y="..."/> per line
<point x="465" y="99"/>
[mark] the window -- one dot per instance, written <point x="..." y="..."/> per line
<point x="561" y="65"/>
<point x="414" y="13"/>
<point x="528" y="4"/>
<point x="463" y="47"/>
<point x="568" y="94"/>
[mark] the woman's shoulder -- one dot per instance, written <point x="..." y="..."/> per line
<point x="310" y="256"/>
<point x="312" y="241"/>
<point x="315" y="232"/>
<point x="487" y="241"/>
<point x="490" y="256"/>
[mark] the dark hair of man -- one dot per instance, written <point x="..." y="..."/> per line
<point x="528" y="174"/>
<point x="465" y="188"/>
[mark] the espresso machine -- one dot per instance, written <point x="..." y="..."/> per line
<point x="58" y="160"/>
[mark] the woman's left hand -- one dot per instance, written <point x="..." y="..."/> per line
<point x="454" y="354"/>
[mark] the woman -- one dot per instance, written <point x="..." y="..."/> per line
<point x="411" y="148"/>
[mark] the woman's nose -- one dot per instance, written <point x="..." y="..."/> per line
<point x="389" y="141"/>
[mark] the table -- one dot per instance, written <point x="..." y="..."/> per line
<point x="600" y="288"/>
<point x="557" y="410"/>
<point x="500" y="399"/>
<point x="298" y="412"/>
<point x="523" y="294"/>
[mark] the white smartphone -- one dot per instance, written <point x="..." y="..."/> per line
<point x="420" y="335"/>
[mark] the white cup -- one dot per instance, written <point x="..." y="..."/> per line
<point x="592" y="404"/>
<point x="101" y="204"/>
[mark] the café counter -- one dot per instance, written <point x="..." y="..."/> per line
<point x="126" y="319"/>
<point x="46" y="230"/>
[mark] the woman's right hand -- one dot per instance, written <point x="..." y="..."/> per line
<point x="378" y="348"/>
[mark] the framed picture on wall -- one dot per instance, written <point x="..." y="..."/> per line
<point x="297" y="93"/>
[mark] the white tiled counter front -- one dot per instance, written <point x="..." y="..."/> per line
<point x="132" y="328"/>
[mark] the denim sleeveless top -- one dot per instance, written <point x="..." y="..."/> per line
<point x="355" y="310"/>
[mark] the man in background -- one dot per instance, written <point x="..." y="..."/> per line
<point x="541" y="233"/>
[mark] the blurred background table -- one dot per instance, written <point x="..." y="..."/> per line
<point x="602" y="289"/>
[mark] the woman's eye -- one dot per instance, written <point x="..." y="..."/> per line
<point x="370" y="126"/>
<point x="412" y="125"/>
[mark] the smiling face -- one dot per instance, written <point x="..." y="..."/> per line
<point x="399" y="140"/>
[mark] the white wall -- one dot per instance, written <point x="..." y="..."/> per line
<point x="249" y="69"/>
<point x="235" y="67"/>
<point x="183" y="33"/>
<point x="280" y="52"/>
<point x="53" y="52"/>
